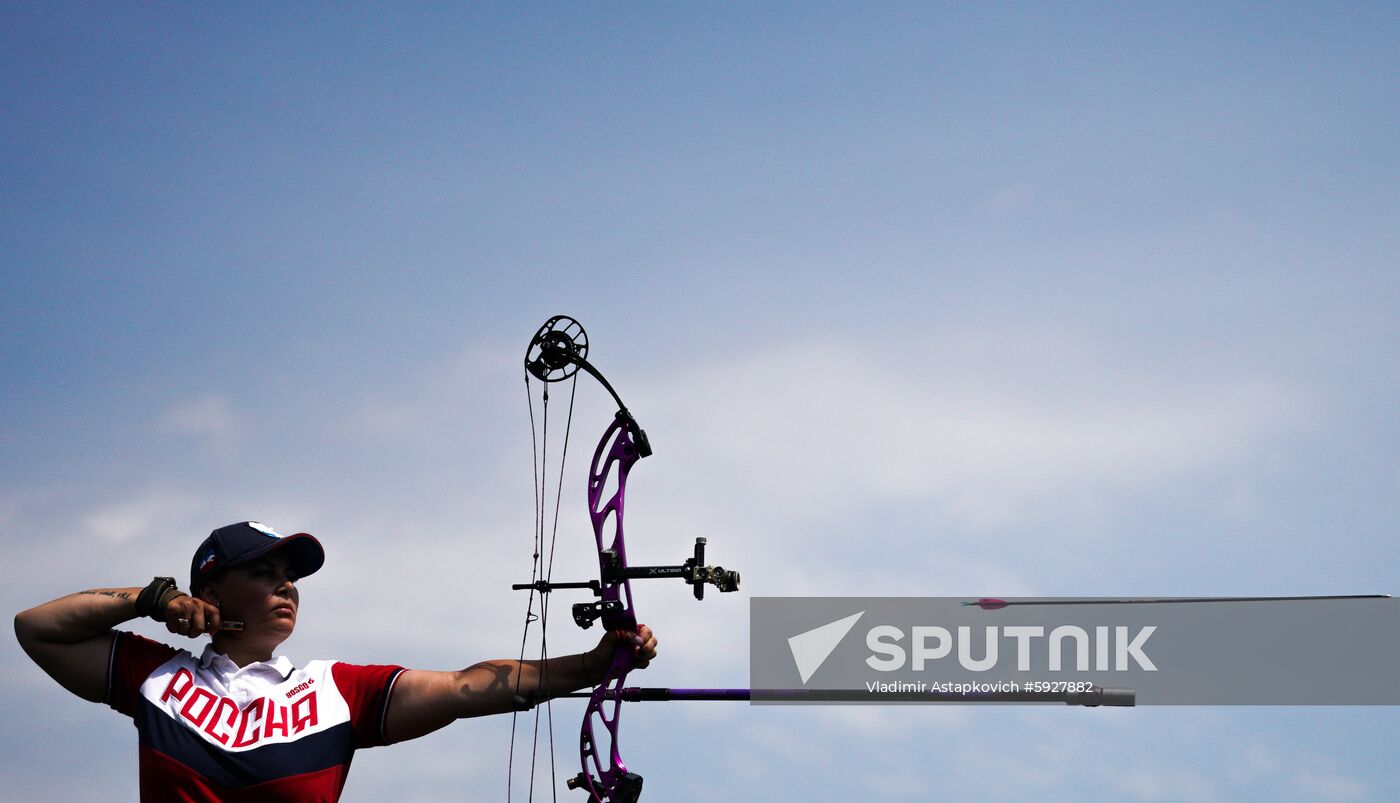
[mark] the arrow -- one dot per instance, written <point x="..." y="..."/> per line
<point x="993" y="604"/>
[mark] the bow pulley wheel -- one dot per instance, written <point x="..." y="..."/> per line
<point x="557" y="349"/>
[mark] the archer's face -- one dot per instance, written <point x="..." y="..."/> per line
<point x="263" y="594"/>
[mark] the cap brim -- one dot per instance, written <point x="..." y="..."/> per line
<point x="303" y="552"/>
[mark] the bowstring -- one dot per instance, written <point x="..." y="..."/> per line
<point x="540" y="478"/>
<point x="548" y="577"/>
<point x="537" y="537"/>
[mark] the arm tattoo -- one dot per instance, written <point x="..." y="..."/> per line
<point x="114" y="594"/>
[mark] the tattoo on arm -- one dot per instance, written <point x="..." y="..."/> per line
<point x="114" y="594"/>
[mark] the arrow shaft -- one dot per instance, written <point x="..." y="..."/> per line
<point x="991" y="604"/>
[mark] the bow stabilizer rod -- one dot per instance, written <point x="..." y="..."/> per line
<point x="1090" y="698"/>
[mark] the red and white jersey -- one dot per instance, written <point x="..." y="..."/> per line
<point x="212" y="731"/>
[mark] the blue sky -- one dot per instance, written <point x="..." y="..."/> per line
<point x="913" y="299"/>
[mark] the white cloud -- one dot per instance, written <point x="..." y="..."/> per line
<point x="1156" y="783"/>
<point x="151" y="512"/>
<point x="210" y="418"/>
<point x="1330" y="785"/>
<point x="9" y="509"/>
<point x="989" y="429"/>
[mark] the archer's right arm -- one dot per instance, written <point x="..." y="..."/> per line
<point x="70" y="638"/>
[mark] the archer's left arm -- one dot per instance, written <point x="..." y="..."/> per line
<point x="423" y="701"/>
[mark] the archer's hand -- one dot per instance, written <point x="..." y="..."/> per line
<point x="642" y="645"/>
<point x="191" y="616"/>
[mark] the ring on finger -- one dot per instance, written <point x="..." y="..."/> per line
<point x="183" y="622"/>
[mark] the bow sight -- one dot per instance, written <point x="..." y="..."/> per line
<point x="694" y="572"/>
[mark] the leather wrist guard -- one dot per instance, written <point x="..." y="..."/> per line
<point x="152" y="599"/>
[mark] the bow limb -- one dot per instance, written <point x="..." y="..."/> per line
<point x="604" y="774"/>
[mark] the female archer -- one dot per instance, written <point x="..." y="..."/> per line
<point x="238" y="723"/>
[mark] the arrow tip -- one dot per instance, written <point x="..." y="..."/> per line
<point x="989" y="604"/>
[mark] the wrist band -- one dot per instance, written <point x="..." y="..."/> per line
<point x="151" y="601"/>
<point x="167" y="598"/>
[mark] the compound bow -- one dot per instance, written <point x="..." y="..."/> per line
<point x="556" y="353"/>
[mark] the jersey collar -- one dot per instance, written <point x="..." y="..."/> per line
<point x="280" y="667"/>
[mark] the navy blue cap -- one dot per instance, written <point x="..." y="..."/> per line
<point x="247" y="541"/>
